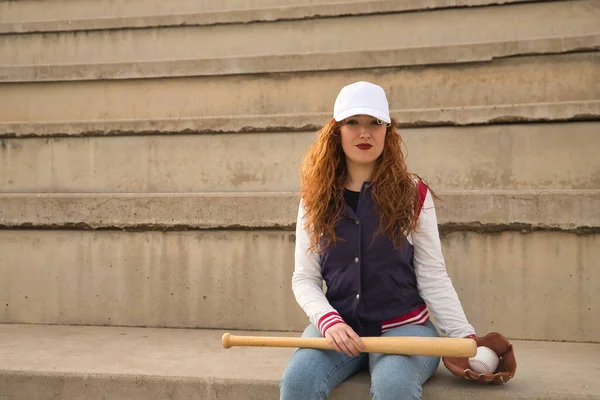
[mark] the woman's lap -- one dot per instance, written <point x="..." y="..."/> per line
<point x="312" y="373"/>
<point x="398" y="376"/>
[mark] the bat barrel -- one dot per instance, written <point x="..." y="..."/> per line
<point x="422" y="346"/>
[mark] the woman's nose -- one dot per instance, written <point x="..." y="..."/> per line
<point x="363" y="132"/>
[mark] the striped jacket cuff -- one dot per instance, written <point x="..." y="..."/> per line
<point x="327" y="321"/>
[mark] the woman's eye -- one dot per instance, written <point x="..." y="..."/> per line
<point x="375" y="122"/>
<point x="351" y="122"/>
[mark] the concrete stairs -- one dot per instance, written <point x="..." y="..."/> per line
<point x="149" y="157"/>
<point x="77" y="75"/>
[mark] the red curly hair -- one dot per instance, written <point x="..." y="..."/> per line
<point x="323" y="173"/>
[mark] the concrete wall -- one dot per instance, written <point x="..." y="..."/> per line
<point x="194" y="279"/>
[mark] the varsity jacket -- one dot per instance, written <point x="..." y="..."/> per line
<point x="371" y="285"/>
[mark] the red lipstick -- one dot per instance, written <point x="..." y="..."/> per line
<point x="364" y="146"/>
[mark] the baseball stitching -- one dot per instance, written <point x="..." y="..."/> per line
<point x="485" y="365"/>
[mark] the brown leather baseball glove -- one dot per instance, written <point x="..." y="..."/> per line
<point x="506" y="367"/>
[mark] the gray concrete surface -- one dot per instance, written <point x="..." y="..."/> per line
<point x="23" y="16"/>
<point x="513" y="81"/>
<point x="193" y="279"/>
<point x="541" y="285"/>
<point x="564" y="210"/>
<point x="319" y="61"/>
<point x="28" y="10"/>
<point x="510" y="23"/>
<point x="535" y="112"/>
<point x="507" y="157"/>
<point x="48" y="362"/>
<point x="153" y="210"/>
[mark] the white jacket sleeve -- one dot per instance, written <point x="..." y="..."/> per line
<point x="433" y="281"/>
<point x="307" y="281"/>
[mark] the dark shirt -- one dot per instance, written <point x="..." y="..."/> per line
<point x="351" y="198"/>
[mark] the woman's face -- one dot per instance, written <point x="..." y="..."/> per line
<point x="362" y="139"/>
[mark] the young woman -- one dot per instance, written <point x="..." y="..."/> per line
<point x="368" y="228"/>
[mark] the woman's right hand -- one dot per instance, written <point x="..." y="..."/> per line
<point x="342" y="338"/>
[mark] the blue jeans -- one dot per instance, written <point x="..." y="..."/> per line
<point x="312" y="374"/>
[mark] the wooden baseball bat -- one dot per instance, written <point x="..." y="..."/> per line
<point x="407" y="345"/>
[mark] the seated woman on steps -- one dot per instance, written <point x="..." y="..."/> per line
<point x="368" y="228"/>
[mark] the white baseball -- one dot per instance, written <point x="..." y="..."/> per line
<point x="485" y="361"/>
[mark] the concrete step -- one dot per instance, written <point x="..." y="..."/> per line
<point x="28" y="10"/>
<point x="346" y="60"/>
<point x="517" y="251"/>
<point x="49" y="362"/>
<point x="24" y="16"/>
<point x="486" y="210"/>
<point x="508" y="157"/>
<point x="457" y="116"/>
<point x="509" y="90"/>
<point x="403" y="39"/>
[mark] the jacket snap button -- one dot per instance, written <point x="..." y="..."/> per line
<point x="357" y="295"/>
<point x="356" y="260"/>
<point x="356" y="222"/>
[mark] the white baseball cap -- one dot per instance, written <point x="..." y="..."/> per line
<point x="361" y="98"/>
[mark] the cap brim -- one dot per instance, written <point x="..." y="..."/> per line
<point x="363" y="111"/>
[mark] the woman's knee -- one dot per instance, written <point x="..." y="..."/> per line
<point x="400" y="377"/>
<point x="396" y="391"/>
<point x="302" y="379"/>
<point x="297" y="387"/>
